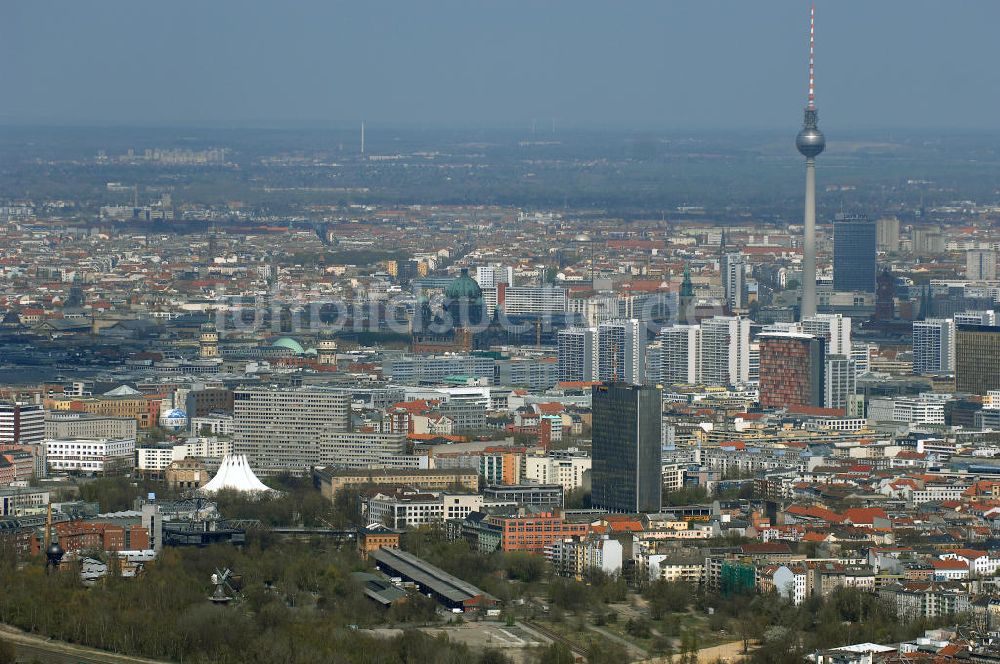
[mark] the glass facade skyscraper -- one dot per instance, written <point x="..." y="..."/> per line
<point x="626" y="471"/>
<point x="854" y="253"/>
<point x="977" y="359"/>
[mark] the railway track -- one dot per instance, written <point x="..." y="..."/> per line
<point x="555" y="636"/>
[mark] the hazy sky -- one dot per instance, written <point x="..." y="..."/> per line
<point x="666" y="64"/>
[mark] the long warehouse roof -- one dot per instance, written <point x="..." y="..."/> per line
<point x="429" y="576"/>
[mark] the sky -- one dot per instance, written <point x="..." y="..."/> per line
<point x="628" y="64"/>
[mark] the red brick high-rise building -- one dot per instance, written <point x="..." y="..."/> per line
<point x="791" y="370"/>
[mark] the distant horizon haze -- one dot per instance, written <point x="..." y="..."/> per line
<point x="643" y="66"/>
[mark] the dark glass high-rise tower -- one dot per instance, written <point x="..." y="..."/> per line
<point x="626" y="473"/>
<point x="854" y="253"/>
<point x="977" y="359"/>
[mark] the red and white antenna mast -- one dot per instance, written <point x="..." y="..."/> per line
<point x="812" y="55"/>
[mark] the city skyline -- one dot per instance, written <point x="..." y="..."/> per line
<point x="515" y="339"/>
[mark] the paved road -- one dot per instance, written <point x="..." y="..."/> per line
<point x="31" y="646"/>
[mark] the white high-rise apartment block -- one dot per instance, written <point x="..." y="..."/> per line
<point x="279" y="429"/>
<point x="488" y="276"/>
<point x="725" y="350"/>
<point x="532" y="299"/>
<point x="840" y="382"/>
<point x="980" y="264"/>
<point x="621" y="351"/>
<point x="733" y="268"/>
<point x="986" y="317"/>
<point x="887" y="234"/>
<point x="933" y="346"/>
<point x="835" y="328"/>
<point x="680" y="354"/>
<point x="577" y="353"/>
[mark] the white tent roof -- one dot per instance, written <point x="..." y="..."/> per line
<point x="235" y="474"/>
<point x="122" y="391"/>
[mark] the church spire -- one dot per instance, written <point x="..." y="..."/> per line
<point x="687" y="288"/>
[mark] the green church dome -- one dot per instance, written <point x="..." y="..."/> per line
<point x="290" y="344"/>
<point x="464" y="288"/>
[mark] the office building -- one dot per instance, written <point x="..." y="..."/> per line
<point x="527" y="493"/>
<point x="977" y="359"/>
<point x="364" y="449"/>
<point x="153" y="461"/>
<point x="205" y="400"/>
<point x="90" y="456"/>
<point x="67" y="424"/>
<point x="529" y="372"/>
<point x="835" y="329"/>
<point x="887" y="234"/>
<point x="279" y="429"/>
<point x="986" y="317"/>
<point x="332" y="480"/>
<point x="21" y="423"/>
<point x="409" y="369"/>
<point x="577" y="349"/>
<point x="933" y="346"/>
<point x="534" y="530"/>
<point x="732" y="268"/>
<point x="621" y="351"/>
<point x="840" y="383"/>
<point x="22" y="428"/>
<point x="680" y="354"/>
<point x="861" y="353"/>
<point x="854" y="254"/>
<point x="411" y="509"/>
<point x="792" y="370"/>
<point x="725" y="351"/>
<point x="980" y="264"/>
<point x="625" y="470"/>
<point x="567" y="469"/>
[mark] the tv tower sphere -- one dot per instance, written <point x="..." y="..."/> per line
<point x="810" y="141"/>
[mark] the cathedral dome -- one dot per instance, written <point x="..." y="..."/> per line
<point x="464" y="288"/>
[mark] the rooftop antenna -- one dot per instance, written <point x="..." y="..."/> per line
<point x="812" y="56"/>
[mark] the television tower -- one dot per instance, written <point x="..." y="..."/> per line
<point x="810" y="142"/>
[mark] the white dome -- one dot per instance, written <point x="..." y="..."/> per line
<point x="174" y="419"/>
